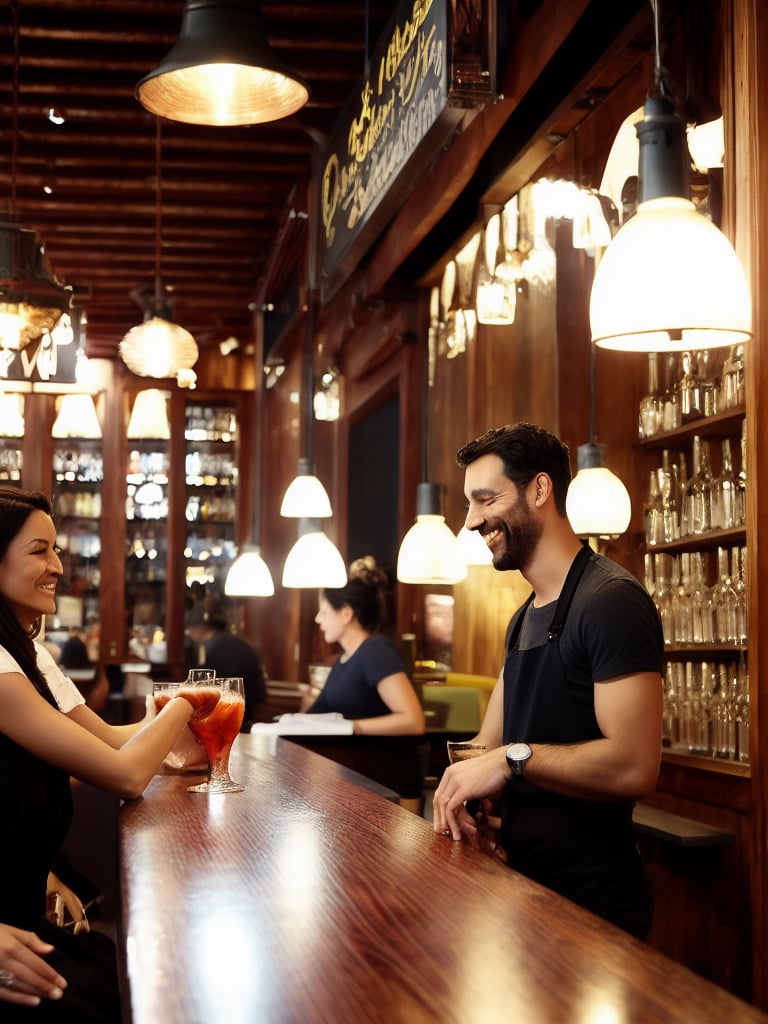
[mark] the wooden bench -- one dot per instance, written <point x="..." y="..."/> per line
<point x="679" y="831"/>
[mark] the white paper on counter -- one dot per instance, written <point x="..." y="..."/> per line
<point x="329" y="724"/>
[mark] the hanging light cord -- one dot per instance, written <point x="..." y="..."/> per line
<point x="158" y="206"/>
<point x="15" y="111"/>
<point x="661" y="83"/>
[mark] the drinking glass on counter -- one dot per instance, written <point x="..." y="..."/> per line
<point x="221" y="702"/>
<point x="162" y="693"/>
<point x="461" y="750"/>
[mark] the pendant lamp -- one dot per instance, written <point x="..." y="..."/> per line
<point x="314" y="561"/>
<point x="158" y="347"/>
<point x="249" y="574"/>
<point x="669" y="280"/>
<point x="11" y="414"/>
<point x="306" y="497"/>
<point x="31" y="298"/>
<point x="76" y="417"/>
<point x="149" y="416"/>
<point x="221" y="71"/>
<point x="597" y="503"/>
<point x="429" y="552"/>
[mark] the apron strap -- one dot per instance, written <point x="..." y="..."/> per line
<point x="578" y="565"/>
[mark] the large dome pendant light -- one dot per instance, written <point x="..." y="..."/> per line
<point x="669" y="281"/>
<point x="221" y="71"/>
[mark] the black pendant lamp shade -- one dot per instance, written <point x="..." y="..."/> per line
<point x="221" y="70"/>
<point x="30" y="295"/>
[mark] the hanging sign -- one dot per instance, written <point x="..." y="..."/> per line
<point x="433" y="63"/>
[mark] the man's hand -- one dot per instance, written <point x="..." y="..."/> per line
<point x="477" y="778"/>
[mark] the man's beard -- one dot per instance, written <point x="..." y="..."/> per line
<point x="521" y="537"/>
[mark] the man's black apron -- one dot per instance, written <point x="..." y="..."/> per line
<point x="582" y="849"/>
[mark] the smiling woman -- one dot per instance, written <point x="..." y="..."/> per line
<point x="47" y="735"/>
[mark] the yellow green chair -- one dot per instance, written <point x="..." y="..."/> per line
<point x="484" y="684"/>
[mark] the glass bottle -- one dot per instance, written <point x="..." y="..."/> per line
<point x="724" y="601"/>
<point x="724" y="493"/>
<point x="682" y="622"/>
<point x="662" y="596"/>
<point x="742" y="711"/>
<point x="698" y="491"/>
<point x="739" y="583"/>
<point x="671" y="417"/>
<point x="689" y="389"/>
<point x="653" y="511"/>
<point x="669" y="486"/>
<point x="740" y="497"/>
<point x="702" y="620"/>
<point x="652" y="404"/>
<point x="707" y="386"/>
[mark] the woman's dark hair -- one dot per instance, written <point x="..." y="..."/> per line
<point x="16" y="506"/>
<point x="524" y="450"/>
<point x="365" y="593"/>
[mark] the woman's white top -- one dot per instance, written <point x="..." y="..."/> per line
<point x="64" y="691"/>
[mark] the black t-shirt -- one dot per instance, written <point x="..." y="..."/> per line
<point x="351" y="687"/>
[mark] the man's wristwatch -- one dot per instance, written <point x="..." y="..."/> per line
<point x="517" y="755"/>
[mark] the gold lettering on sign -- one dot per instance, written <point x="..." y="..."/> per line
<point x="393" y="118"/>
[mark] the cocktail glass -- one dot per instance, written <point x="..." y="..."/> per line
<point x="162" y="693"/>
<point x="217" y="729"/>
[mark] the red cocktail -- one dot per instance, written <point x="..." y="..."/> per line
<point x="216" y="728"/>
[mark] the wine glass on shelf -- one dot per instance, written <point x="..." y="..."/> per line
<point x="216" y="727"/>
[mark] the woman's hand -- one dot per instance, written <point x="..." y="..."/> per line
<point x="25" y="978"/>
<point x="202" y="698"/>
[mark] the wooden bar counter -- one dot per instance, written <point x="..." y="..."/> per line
<point x="310" y="899"/>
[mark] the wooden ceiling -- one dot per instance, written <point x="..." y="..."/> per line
<point x="89" y="184"/>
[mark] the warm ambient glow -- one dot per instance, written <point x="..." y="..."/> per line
<point x="31" y="299"/>
<point x="11" y="415"/>
<point x="249" y="576"/>
<point x="306" y="497"/>
<point x="313" y="561"/>
<point x="473" y="548"/>
<point x="221" y="70"/>
<point x="597" y="503"/>
<point x="76" y="417"/>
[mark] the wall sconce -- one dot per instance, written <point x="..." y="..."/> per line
<point x="221" y="71"/>
<point x="669" y="280"/>
<point x="327" y="402"/>
<point x="495" y="300"/>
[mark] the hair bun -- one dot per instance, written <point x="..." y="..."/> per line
<point x="367" y="571"/>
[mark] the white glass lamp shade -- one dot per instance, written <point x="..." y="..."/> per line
<point x="149" y="417"/>
<point x="314" y="562"/>
<point x="597" y="503"/>
<point x="473" y="548"/>
<point x="249" y="576"/>
<point x="76" y="417"/>
<point x="306" y="497"/>
<point x="430" y="553"/>
<point x="669" y="281"/>
<point x="160" y="348"/>
<point x="11" y="415"/>
<point x="221" y="71"/>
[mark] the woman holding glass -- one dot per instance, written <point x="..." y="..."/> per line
<point x="48" y="734"/>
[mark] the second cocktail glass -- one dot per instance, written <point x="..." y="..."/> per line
<point x="217" y="730"/>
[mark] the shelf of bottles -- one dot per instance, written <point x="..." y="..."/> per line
<point x="211" y="433"/>
<point x="10" y="461"/>
<point x="146" y="513"/>
<point x="695" y="561"/>
<point x="78" y="474"/>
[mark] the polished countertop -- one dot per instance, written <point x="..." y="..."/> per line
<point x="309" y="898"/>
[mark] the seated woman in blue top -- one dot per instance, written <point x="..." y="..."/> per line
<point x="368" y="683"/>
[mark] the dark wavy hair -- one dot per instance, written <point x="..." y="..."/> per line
<point x="364" y="593"/>
<point x="16" y="506"/>
<point x="525" y="450"/>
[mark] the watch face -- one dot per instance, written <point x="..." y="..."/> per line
<point x="518" y="752"/>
